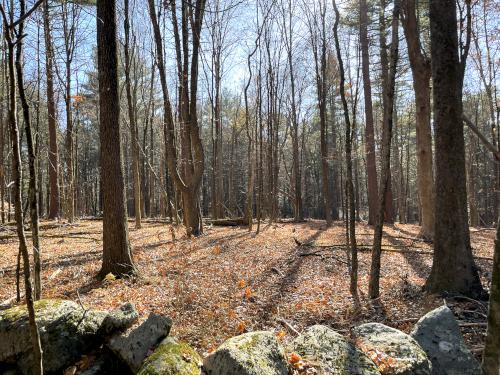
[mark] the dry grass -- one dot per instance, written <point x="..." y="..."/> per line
<point x="229" y="280"/>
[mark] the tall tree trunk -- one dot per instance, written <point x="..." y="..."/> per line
<point x="371" y="165"/>
<point x="348" y="154"/>
<point x="69" y="32"/>
<point x="491" y="353"/>
<point x="3" y="162"/>
<point x="51" y="115"/>
<point x="384" y="63"/>
<point x="374" y="283"/>
<point x="453" y="268"/>
<point x="421" y="72"/>
<point x="117" y="257"/>
<point x="297" y="175"/>
<point x="17" y="178"/>
<point x="132" y="121"/>
<point x="32" y="194"/>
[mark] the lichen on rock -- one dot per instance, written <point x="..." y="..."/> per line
<point x="331" y="352"/>
<point x="172" y="357"/>
<point x="253" y="353"/>
<point x="392" y="349"/>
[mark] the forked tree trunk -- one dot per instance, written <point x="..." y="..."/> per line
<point x="117" y="257"/>
<point x="17" y="178"/>
<point x="421" y="73"/>
<point x="453" y="268"/>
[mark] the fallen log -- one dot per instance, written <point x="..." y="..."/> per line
<point x="236" y="222"/>
<point x="368" y="248"/>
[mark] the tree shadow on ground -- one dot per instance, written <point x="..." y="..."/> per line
<point x="420" y="268"/>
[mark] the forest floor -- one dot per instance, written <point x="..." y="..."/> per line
<point x="229" y="280"/>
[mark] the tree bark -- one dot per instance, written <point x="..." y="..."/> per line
<point x="371" y="164"/>
<point x="117" y="258"/>
<point x="51" y="114"/>
<point x="17" y="178"/>
<point x="491" y="353"/>
<point x="453" y="269"/>
<point x="132" y="121"/>
<point x="384" y="63"/>
<point x="187" y="171"/>
<point x="32" y="194"/>
<point x="374" y="283"/>
<point x="351" y="222"/>
<point x="421" y="72"/>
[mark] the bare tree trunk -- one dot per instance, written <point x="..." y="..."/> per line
<point x="32" y="195"/>
<point x="187" y="171"/>
<point x="3" y="162"/>
<point x="371" y="165"/>
<point x="374" y="283"/>
<point x="132" y="121"/>
<point x="421" y="71"/>
<point x="117" y="257"/>
<point x="51" y="114"/>
<point x="17" y="177"/>
<point x="384" y="63"/>
<point x="348" y="154"/>
<point x="491" y="353"/>
<point x="453" y="268"/>
<point x="297" y="176"/>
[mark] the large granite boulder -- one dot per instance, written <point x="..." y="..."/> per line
<point x="66" y="332"/>
<point x="393" y="351"/>
<point x="172" y="357"/>
<point x="332" y="353"/>
<point x="133" y="346"/>
<point x="439" y="335"/>
<point x="253" y="353"/>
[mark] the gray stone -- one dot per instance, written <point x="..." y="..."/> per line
<point x="392" y="348"/>
<point x="332" y="353"/>
<point x="119" y="319"/>
<point x="172" y="357"/>
<point x="439" y="335"/>
<point x="66" y="331"/>
<point x="133" y="345"/>
<point x="253" y="353"/>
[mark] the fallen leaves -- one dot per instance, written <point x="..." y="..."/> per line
<point x="241" y="327"/>
<point x="248" y="293"/>
<point x="209" y="284"/>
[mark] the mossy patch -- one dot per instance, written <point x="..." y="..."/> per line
<point x="172" y="357"/>
<point x="21" y="312"/>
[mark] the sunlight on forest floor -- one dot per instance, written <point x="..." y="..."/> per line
<point x="230" y="280"/>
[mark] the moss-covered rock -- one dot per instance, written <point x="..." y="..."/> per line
<point x="332" y="353"/>
<point x="172" y="357"/>
<point x="253" y="353"/>
<point x="66" y="331"/>
<point x="392" y="350"/>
